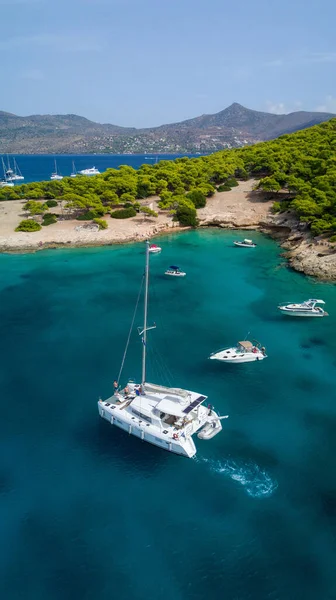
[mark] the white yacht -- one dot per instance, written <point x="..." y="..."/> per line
<point x="13" y="175"/>
<point x="245" y="244"/>
<point x="73" y="172"/>
<point x="163" y="416"/>
<point x="174" y="271"/>
<point x="55" y="175"/>
<point x="305" y="309"/>
<point x="244" y="352"/>
<point x="91" y="171"/>
<point x="154" y="249"/>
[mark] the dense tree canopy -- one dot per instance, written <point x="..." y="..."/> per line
<point x="303" y="164"/>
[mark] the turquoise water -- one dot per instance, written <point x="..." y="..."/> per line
<point x="38" y="167"/>
<point x="90" y="513"/>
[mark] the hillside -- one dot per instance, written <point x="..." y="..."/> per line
<point x="234" y="126"/>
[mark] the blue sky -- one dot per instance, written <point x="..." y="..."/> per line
<point x="146" y="62"/>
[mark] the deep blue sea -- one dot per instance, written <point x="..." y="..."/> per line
<point x="89" y="513"/>
<point x="39" y="167"/>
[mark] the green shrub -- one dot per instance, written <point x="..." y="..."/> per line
<point x="276" y="208"/>
<point x="123" y="213"/>
<point x="51" y="203"/>
<point x="87" y="215"/>
<point x="28" y="225"/>
<point x="49" y="219"/>
<point x="232" y="182"/>
<point x="127" y="198"/>
<point x="223" y="188"/>
<point x="186" y="216"/>
<point x="197" y="197"/>
<point x="332" y="239"/>
<point x="101" y="222"/>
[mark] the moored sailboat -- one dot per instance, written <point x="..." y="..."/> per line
<point x="55" y="175"/>
<point x="5" y="181"/>
<point x="163" y="416"/>
<point x="74" y="171"/>
<point x="13" y="175"/>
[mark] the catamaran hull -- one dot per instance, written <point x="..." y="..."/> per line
<point x="188" y="449"/>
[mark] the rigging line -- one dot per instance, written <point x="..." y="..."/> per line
<point x="162" y="364"/>
<point x="163" y="331"/>
<point x="159" y="367"/>
<point x="131" y="329"/>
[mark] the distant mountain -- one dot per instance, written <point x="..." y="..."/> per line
<point x="232" y="127"/>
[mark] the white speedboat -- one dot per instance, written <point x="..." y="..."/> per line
<point x="242" y="353"/>
<point x="154" y="249"/>
<point x="163" y="416"/>
<point x="174" y="271"/>
<point x="89" y="172"/>
<point x="305" y="309"/>
<point x="245" y="244"/>
<point x="55" y="175"/>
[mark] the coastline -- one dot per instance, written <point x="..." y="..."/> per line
<point x="240" y="208"/>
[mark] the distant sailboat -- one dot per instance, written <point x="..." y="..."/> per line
<point x="4" y="182"/>
<point x="13" y="175"/>
<point x="56" y="175"/>
<point x="74" y="171"/>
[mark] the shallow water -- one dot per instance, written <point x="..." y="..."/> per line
<point x="90" y="513"/>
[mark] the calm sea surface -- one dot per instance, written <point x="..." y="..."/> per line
<point x="38" y="167"/>
<point x="88" y="512"/>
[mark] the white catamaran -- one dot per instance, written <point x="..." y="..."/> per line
<point x="164" y="416"/>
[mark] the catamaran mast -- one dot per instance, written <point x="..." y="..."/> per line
<point x="144" y="337"/>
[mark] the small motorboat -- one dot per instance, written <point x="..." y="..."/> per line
<point x="211" y="428"/>
<point x="175" y="272"/>
<point x="154" y="249"/>
<point x="244" y="352"/>
<point x="245" y="244"/>
<point x="305" y="309"/>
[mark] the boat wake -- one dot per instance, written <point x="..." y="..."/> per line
<point x="255" y="481"/>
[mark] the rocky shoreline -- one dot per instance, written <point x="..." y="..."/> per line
<point x="313" y="257"/>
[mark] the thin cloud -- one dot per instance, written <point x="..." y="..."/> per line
<point x="277" y="108"/>
<point x="309" y="58"/>
<point x="322" y="57"/>
<point x="27" y="2"/>
<point x="59" y="42"/>
<point x="278" y="62"/>
<point x="329" y="105"/>
<point x="32" y="74"/>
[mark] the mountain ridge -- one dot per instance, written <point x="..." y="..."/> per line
<point x="234" y="126"/>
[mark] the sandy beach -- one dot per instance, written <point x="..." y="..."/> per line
<point x="237" y="208"/>
<point x="240" y="208"/>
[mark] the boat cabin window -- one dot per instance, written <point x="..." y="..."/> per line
<point x="141" y="415"/>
